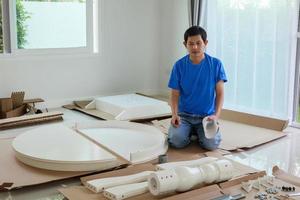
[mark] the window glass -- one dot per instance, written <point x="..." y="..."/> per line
<point x="51" y="24"/>
<point x="253" y="40"/>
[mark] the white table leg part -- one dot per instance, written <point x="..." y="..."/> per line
<point x="98" y="185"/>
<point x="189" y="163"/>
<point x="184" y="178"/>
<point x="126" y="191"/>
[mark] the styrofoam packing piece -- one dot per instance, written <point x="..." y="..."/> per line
<point x="98" y="185"/>
<point x="144" y="112"/>
<point x="190" y="163"/>
<point x="130" y="106"/>
<point x="126" y="191"/>
<point x="117" y="103"/>
<point x="247" y="186"/>
<point x="210" y="127"/>
<point x="91" y="105"/>
<point x="260" y="181"/>
<point x="184" y="178"/>
<point x="256" y="185"/>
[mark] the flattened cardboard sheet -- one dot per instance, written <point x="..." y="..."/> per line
<point x="235" y="135"/>
<point x="208" y="192"/>
<point x="254" y="120"/>
<point x="27" y="120"/>
<point x="14" y="171"/>
<point x="33" y="101"/>
<point x="280" y="174"/>
<point x="242" y="136"/>
<point x="81" y="193"/>
<point x="241" y="117"/>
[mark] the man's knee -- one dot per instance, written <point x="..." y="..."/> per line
<point x="177" y="139"/>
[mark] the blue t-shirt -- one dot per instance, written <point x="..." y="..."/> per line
<point x="196" y="84"/>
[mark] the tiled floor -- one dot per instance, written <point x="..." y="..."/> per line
<point x="283" y="152"/>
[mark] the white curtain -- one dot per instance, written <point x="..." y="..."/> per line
<point x="254" y="39"/>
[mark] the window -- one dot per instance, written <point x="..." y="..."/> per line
<point x="254" y="40"/>
<point x="49" y="25"/>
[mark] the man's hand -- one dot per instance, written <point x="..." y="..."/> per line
<point x="175" y="121"/>
<point x="213" y="118"/>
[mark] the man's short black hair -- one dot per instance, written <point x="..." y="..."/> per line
<point x="195" y="30"/>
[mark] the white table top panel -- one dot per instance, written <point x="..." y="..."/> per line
<point x="129" y="140"/>
<point x="130" y="100"/>
<point x="59" y="143"/>
<point x="123" y="141"/>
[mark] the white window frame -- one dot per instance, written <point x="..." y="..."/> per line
<point x="91" y="35"/>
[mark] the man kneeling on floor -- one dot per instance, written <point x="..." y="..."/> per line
<point x="197" y="93"/>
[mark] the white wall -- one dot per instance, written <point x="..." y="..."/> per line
<point x="129" y="58"/>
<point x="174" y="22"/>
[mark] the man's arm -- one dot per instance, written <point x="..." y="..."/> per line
<point x="219" y="98"/>
<point x="174" y="107"/>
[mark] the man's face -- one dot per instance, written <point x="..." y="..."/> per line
<point x="195" y="45"/>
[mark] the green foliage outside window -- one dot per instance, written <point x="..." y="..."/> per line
<point x="22" y="16"/>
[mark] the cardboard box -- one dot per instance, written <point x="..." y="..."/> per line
<point x="19" y="111"/>
<point x="5" y="105"/>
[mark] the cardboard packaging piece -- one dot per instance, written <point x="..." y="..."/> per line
<point x="280" y="174"/>
<point x="19" y="111"/>
<point x="235" y="135"/>
<point x="254" y="120"/>
<point x="5" y="104"/>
